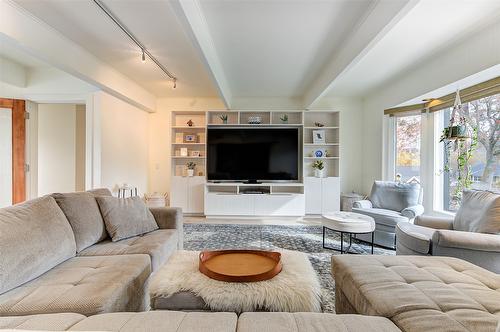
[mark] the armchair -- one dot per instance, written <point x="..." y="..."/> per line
<point x="473" y="234"/>
<point x="389" y="204"/>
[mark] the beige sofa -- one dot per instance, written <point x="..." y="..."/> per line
<point x="418" y="293"/>
<point x="42" y="271"/>
<point x="176" y="321"/>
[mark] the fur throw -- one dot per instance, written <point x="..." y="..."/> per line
<point x="295" y="289"/>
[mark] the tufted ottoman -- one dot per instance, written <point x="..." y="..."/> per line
<point x="418" y="293"/>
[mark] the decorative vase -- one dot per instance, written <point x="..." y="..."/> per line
<point x="224" y="121"/>
<point x="190" y="172"/>
<point x="319" y="173"/>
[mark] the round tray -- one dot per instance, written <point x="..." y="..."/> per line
<point x="240" y="265"/>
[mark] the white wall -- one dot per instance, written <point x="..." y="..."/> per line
<point x="159" y="136"/>
<point x="56" y="148"/>
<point x="5" y="157"/>
<point x="471" y="55"/>
<point x="121" y="133"/>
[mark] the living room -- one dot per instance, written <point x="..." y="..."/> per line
<point x="212" y="165"/>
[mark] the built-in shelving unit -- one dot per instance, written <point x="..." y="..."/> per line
<point x="309" y="195"/>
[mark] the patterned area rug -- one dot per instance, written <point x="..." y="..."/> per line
<point x="304" y="238"/>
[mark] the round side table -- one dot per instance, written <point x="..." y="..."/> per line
<point x="347" y="222"/>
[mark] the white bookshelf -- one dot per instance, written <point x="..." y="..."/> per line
<point x="309" y="195"/>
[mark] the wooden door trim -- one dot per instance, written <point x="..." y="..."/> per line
<point x="18" y="147"/>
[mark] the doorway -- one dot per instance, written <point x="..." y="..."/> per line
<point x="12" y="151"/>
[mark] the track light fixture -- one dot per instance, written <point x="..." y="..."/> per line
<point x="145" y="52"/>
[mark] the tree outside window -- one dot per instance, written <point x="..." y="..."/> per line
<point x="483" y="114"/>
<point x="408" y="137"/>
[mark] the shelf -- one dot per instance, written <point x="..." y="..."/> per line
<point x="321" y="144"/>
<point x="321" y="157"/>
<point x="321" y="127"/>
<point x="187" y="127"/>
<point x="188" y="143"/>
<point x="187" y="157"/>
<point x="263" y="184"/>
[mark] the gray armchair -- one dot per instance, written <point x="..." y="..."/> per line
<point x="389" y="204"/>
<point x="473" y="234"/>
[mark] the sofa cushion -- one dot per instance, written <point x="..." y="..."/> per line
<point x="35" y="236"/>
<point x="394" y="196"/>
<point x="84" y="285"/>
<point x="307" y="322"/>
<point x="83" y="214"/>
<point x="479" y="212"/>
<point x="159" y="245"/>
<point x="416" y="238"/>
<point x="125" y="217"/>
<point x="159" y="321"/>
<point x="415" y="292"/>
<point x="51" y="322"/>
<point x="383" y="216"/>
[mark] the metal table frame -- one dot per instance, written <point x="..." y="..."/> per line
<point x="342" y="251"/>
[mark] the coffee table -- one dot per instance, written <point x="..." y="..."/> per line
<point x="347" y="222"/>
<point x="179" y="285"/>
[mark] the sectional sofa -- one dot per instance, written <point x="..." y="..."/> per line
<point x="53" y="261"/>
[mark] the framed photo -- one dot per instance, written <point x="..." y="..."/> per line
<point x="195" y="153"/>
<point x="319" y="136"/>
<point x="190" y="138"/>
<point x="184" y="152"/>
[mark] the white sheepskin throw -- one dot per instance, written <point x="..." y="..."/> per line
<point x="295" y="289"/>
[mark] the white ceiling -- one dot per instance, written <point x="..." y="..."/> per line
<point x="20" y="57"/>
<point x="429" y="27"/>
<point x="267" y="49"/>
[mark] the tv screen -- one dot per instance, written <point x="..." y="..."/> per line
<point x="252" y="154"/>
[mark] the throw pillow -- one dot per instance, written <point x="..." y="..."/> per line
<point x="394" y="196"/>
<point x="83" y="214"/>
<point x="125" y="217"/>
<point x="479" y="212"/>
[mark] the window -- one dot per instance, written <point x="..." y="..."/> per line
<point x="407" y="144"/>
<point x="483" y="114"/>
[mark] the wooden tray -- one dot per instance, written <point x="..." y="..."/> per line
<point x="240" y="265"/>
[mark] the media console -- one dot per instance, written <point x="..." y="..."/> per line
<point x="309" y="196"/>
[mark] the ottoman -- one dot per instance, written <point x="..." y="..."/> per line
<point x="178" y="285"/>
<point x="418" y="293"/>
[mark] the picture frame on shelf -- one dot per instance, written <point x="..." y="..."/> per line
<point x="184" y="152"/>
<point x="319" y="136"/>
<point x="179" y="137"/>
<point x="195" y="154"/>
<point x="190" y="138"/>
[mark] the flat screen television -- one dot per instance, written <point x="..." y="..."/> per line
<point x="253" y="154"/>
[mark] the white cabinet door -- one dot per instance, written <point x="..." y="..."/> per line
<point x="279" y="205"/>
<point x="330" y="197"/>
<point x="312" y="190"/>
<point x="229" y="205"/>
<point x="196" y="194"/>
<point x="179" y="193"/>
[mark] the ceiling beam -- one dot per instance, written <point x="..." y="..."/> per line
<point x="12" y="73"/>
<point x="380" y="19"/>
<point x="192" y="18"/>
<point x="17" y="28"/>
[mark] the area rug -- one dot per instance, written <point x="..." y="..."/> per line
<point x="303" y="238"/>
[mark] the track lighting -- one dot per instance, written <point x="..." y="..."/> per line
<point x="143" y="58"/>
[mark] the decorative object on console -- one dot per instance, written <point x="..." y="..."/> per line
<point x="190" y="123"/>
<point x="190" y="138"/>
<point x="319" y="168"/>
<point x="190" y="168"/>
<point x="223" y="117"/>
<point x="127" y="188"/>
<point x="320" y="153"/>
<point x="256" y="119"/>
<point x="184" y="152"/>
<point x="318" y="124"/>
<point x="284" y="118"/>
<point x="319" y="137"/>
<point x="240" y="265"/>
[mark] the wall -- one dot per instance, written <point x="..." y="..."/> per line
<point x="160" y="136"/>
<point x="471" y="55"/>
<point x="56" y="148"/>
<point x="80" y="149"/>
<point x="121" y="134"/>
<point x="5" y="157"/>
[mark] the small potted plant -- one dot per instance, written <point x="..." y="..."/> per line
<point x="319" y="168"/>
<point x="190" y="168"/>
<point x="223" y="117"/>
<point x="284" y="118"/>
<point x="455" y="131"/>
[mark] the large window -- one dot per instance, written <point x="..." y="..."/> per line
<point x="483" y="114"/>
<point x="407" y="144"/>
